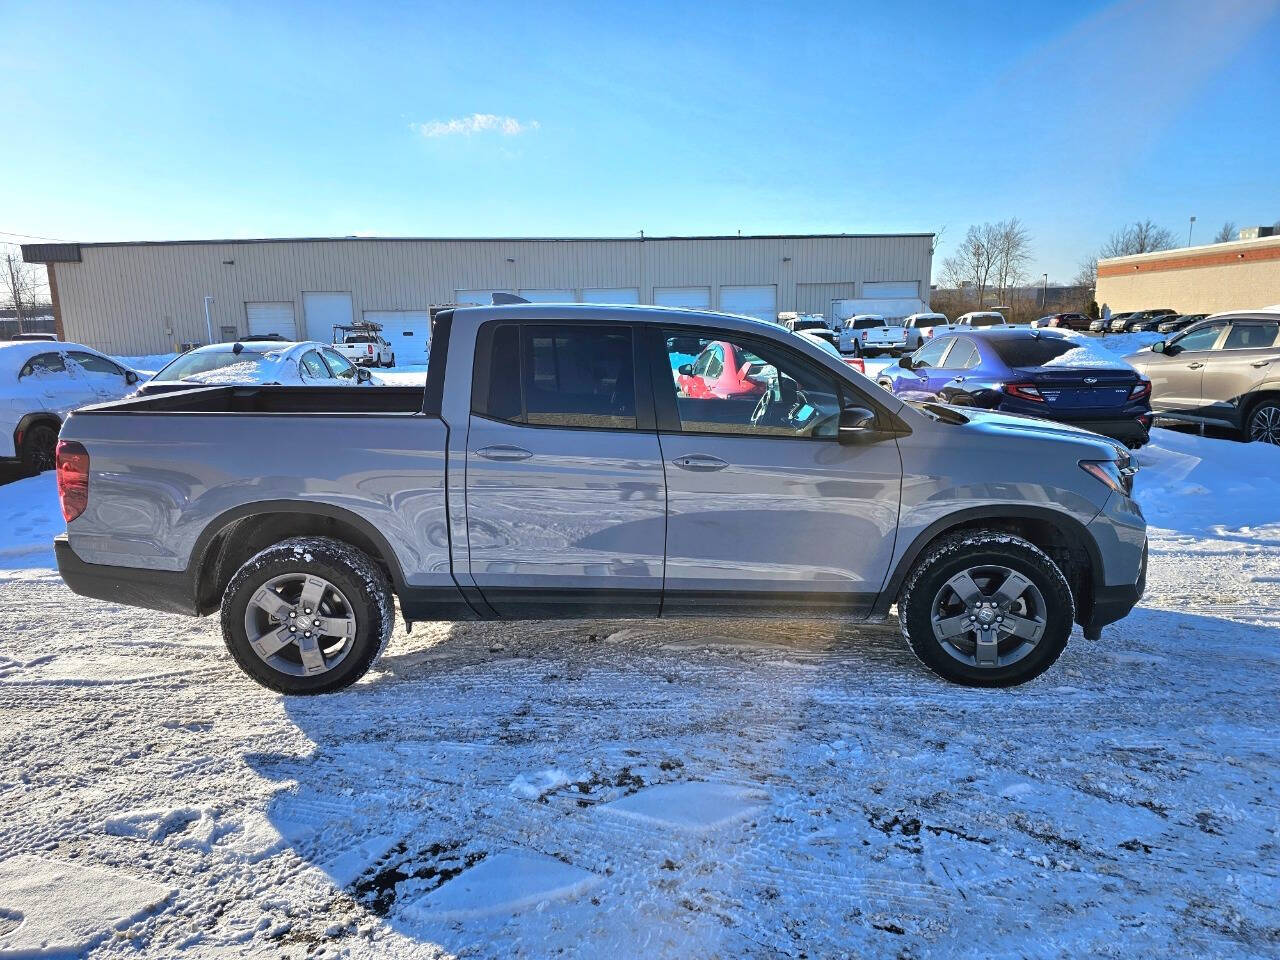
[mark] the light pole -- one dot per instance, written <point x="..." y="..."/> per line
<point x="1044" y="296"/>
<point x="208" y="324"/>
<point x="1189" y="229"/>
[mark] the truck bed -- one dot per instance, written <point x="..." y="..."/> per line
<point x="269" y="399"/>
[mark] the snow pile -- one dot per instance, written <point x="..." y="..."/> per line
<point x="148" y="364"/>
<point x="1087" y="355"/>
<point x="1123" y="344"/>
<point x="30" y="518"/>
<point x="536" y="786"/>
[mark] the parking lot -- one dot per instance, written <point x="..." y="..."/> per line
<point x="671" y="788"/>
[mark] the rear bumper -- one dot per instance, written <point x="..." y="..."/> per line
<point x="166" y="590"/>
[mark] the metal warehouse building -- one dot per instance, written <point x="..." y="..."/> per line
<point x="143" y="298"/>
<point x="1239" y="275"/>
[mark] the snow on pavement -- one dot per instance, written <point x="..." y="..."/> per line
<point x="665" y="788"/>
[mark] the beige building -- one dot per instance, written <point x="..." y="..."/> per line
<point x="1238" y="275"/>
<point x="142" y="298"/>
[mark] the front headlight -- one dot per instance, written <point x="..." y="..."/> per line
<point x="1116" y="474"/>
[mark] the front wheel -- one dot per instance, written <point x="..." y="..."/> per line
<point x="1264" y="423"/>
<point x="307" y="615"/>
<point x="986" y="609"/>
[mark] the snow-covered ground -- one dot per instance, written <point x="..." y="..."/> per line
<point x="658" y="788"/>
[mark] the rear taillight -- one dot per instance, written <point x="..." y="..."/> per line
<point x="864" y="334"/>
<point x="1140" y="389"/>
<point x="73" y="478"/>
<point x="928" y="331"/>
<point x="856" y="363"/>
<point x="1024" y="391"/>
<point x="371" y="349"/>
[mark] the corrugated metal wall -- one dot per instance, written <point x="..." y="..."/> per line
<point x="133" y="299"/>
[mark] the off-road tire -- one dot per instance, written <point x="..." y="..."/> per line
<point x="361" y="581"/>
<point x="957" y="552"/>
<point x="40" y="448"/>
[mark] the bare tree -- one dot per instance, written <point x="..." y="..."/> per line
<point x="19" y="284"/>
<point x="1012" y="254"/>
<point x="1087" y="275"/>
<point x="1226" y="234"/>
<point x="1141" y="236"/>
<point x="974" y="262"/>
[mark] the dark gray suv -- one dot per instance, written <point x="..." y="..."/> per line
<point x="1224" y="370"/>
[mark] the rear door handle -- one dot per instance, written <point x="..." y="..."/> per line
<point x="1195" y="366"/>
<point x="504" y="451"/>
<point x="700" y="462"/>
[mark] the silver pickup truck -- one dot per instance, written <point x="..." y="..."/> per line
<point x="573" y="461"/>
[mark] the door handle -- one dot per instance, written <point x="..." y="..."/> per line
<point x="1260" y="363"/>
<point x="700" y="462"/>
<point x="503" y="451"/>
<point x="1195" y="366"/>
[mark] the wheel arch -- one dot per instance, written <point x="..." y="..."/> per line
<point x="1064" y="538"/>
<point x="30" y="420"/>
<point x="237" y="534"/>
<point x="1269" y="391"/>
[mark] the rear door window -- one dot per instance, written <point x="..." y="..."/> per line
<point x="962" y="356"/>
<point x="1251" y="336"/>
<point x="43" y="364"/>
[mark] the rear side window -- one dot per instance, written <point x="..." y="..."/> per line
<point x="559" y="376"/>
<point x="1031" y="352"/>
<point x="1251" y="336"/>
<point x="867" y="323"/>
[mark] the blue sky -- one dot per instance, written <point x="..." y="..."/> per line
<point x="198" y="120"/>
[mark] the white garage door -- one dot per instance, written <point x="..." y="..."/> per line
<point x="890" y="289"/>
<point x="408" y="332"/>
<point x="696" y="298"/>
<point x="323" y="312"/>
<point x="548" y="296"/>
<point x="759" y="302"/>
<point x="478" y="297"/>
<point x="610" y="294"/>
<point x="267" y="318"/>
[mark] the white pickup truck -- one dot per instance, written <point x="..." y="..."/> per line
<point x="870" y="333"/>
<point x="364" y="345"/>
<point x="922" y="326"/>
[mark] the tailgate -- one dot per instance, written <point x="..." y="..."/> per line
<point x="885" y="335"/>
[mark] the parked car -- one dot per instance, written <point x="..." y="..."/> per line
<point x="1224" y="371"/>
<point x="1149" y="323"/>
<point x="1174" y="324"/>
<point x="982" y="318"/>
<point x="40" y="384"/>
<point x="551" y="468"/>
<point x="364" y="345"/>
<point x="921" y="326"/>
<point x="307" y="363"/>
<point x="1065" y="321"/>
<point x="1124" y="323"/>
<point x="1032" y="372"/>
<point x="42" y="337"/>
<point x="870" y="334"/>
<point x="824" y="344"/>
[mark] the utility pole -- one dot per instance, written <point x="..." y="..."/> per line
<point x="1189" y="229"/>
<point x="1044" y="296"/>
<point x="208" y="324"/>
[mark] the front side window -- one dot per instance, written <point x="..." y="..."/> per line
<point x="555" y="375"/>
<point x="43" y="364"/>
<point x="751" y="389"/>
<point x="1202" y="338"/>
<point x="95" y="364"/>
<point x="340" y="366"/>
<point x="931" y="353"/>
<point x="314" y="367"/>
<point x="1251" y="336"/>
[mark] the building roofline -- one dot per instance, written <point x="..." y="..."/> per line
<point x="1198" y="250"/>
<point x="38" y="250"/>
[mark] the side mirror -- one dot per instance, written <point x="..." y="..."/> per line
<point x="363" y="375"/>
<point x="1158" y="347"/>
<point x="906" y="362"/>
<point x="130" y="377"/>
<point x="857" y="425"/>
<point x="685" y="370"/>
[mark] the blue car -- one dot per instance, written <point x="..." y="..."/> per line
<point x="1038" y="373"/>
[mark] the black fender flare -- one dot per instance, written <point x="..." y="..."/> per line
<point x="1071" y="529"/>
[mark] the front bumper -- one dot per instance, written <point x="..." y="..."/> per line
<point x="1114" y="603"/>
<point x="166" y="590"/>
<point x="1133" y="432"/>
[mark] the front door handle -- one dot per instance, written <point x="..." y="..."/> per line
<point x="503" y="451"/>
<point x="700" y="463"/>
<point x="1195" y="366"/>
<point x="1260" y="363"/>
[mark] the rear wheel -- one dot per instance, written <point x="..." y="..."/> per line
<point x="307" y="615"/>
<point x="986" y="609"/>
<point x="1263" y="425"/>
<point x="40" y="448"/>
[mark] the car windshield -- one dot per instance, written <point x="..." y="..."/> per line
<point x="1030" y="351"/>
<point x="198" y="362"/>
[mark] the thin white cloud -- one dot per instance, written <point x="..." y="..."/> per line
<point x="475" y="123"/>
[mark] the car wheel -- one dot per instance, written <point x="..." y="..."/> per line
<point x="1264" y="423"/>
<point x="986" y="609"/>
<point x="40" y="448"/>
<point x="307" y="615"/>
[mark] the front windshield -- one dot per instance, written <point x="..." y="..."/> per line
<point x="199" y="362"/>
